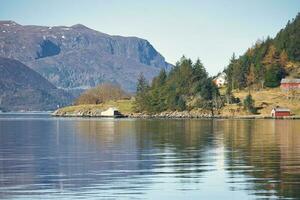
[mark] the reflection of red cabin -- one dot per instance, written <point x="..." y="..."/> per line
<point x="280" y="112"/>
<point x="288" y="84"/>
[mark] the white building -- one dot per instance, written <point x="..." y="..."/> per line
<point x="220" y="80"/>
<point x="111" y="112"/>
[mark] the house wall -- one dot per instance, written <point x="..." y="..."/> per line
<point x="290" y="85"/>
<point x="282" y="114"/>
<point x="108" y="113"/>
<point x="219" y="82"/>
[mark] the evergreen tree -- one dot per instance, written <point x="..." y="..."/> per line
<point x="142" y="100"/>
<point x="142" y="84"/>
<point x="171" y="91"/>
<point x="230" y="73"/>
<point x="211" y="96"/>
<point x="199" y="76"/>
<point x="273" y="75"/>
<point x="160" y="79"/>
<point x="157" y="94"/>
<point x="180" y="103"/>
<point x="249" y="104"/>
<point x="269" y="58"/>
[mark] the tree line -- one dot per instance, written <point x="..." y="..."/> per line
<point x="185" y="87"/>
<point x="266" y="63"/>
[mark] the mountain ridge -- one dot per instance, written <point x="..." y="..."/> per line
<point x="99" y="57"/>
<point x="21" y="88"/>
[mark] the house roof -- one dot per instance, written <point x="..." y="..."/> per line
<point x="290" y="80"/>
<point x="281" y="109"/>
<point x="112" y="108"/>
<point x="220" y="76"/>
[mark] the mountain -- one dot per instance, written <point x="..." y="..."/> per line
<point x="79" y="57"/>
<point x="21" y="88"/>
<point x="268" y="61"/>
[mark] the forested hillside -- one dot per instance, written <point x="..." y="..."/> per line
<point x="268" y="61"/>
<point x="185" y="87"/>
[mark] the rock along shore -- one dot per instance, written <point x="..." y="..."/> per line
<point x="167" y="115"/>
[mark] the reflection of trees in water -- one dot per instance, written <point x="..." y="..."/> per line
<point x="178" y="146"/>
<point x="271" y="148"/>
<point x="64" y="154"/>
<point x="175" y="147"/>
<point x="177" y="134"/>
<point x="77" y="154"/>
<point x="112" y="148"/>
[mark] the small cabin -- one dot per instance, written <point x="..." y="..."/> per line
<point x="111" y="112"/>
<point x="290" y="84"/>
<point x="280" y="112"/>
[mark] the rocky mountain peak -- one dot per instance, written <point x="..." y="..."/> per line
<point x="8" y="23"/>
<point x="80" y="57"/>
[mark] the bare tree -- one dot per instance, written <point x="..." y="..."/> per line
<point x="101" y="94"/>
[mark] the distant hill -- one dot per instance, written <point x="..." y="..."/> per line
<point x="79" y="57"/>
<point x="21" y="88"/>
<point x="268" y="61"/>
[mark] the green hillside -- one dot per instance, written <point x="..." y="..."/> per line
<point x="268" y="61"/>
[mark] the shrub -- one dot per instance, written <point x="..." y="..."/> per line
<point x="101" y="94"/>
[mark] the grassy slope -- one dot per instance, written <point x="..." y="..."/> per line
<point x="269" y="97"/>
<point x="273" y="97"/>
<point x="124" y="106"/>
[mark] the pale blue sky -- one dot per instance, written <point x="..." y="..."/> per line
<point x="211" y="30"/>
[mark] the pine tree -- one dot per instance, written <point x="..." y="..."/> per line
<point x="269" y="57"/>
<point x="160" y="79"/>
<point x="199" y="75"/>
<point x="230" y="72"/>
<point x="142" y="84"/>
<point x="171" y="91"/>
<point x="249" y="104"/>
<point x="273" y="75"/>
<point x="142" y="100"/>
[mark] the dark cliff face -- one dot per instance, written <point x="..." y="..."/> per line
<point x="21" y="88"/>
<point x="79" y="57"/>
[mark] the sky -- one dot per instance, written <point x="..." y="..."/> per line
<point x="207" y="29"/>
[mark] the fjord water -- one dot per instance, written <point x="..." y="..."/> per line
<point x="54" y="158"/>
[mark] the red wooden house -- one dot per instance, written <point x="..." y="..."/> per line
<point x="290" y="84"/>
<point x="280" y="112"/>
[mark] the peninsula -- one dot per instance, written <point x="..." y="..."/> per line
<point x="266" y="76"/>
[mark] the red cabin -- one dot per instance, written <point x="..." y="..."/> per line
<point x="290" y="84"/>
<point x="280" y="112"/>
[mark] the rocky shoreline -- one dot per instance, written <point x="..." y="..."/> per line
<point x="168" y="115"/>
<point x="187" y="115"/>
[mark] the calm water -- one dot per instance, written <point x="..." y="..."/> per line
<point x="50" y="158"/>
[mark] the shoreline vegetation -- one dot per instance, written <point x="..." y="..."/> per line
<point x="265" y="100"/>
<point x="250" y="89"/>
